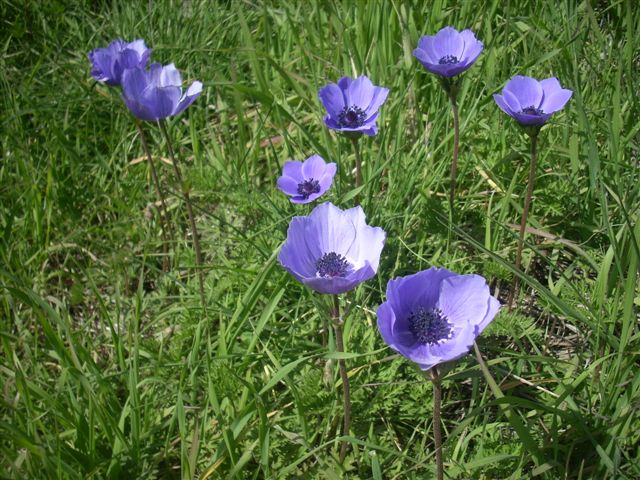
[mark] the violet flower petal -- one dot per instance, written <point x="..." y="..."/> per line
<point x="332" y="99"/>
<point x="526" y="89"/>
<point x="448" y="42"/>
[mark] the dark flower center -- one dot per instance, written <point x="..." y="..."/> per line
<point x="308" y="187"/>
<point x="352" y="117"/>
<point x="429" y="326"/>
<point x="448" y="60"/>
<point x="533" y="111"/>
<point x="332" y="264"/>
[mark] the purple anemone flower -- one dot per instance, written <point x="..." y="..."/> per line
<point x="435" y="315"/>
<point x="156" y="93"/>
<point x="308" y="180"/>
<point x="352" y="105"/>
<point x="532" y="102"/>
<point x="448" y="52"/>
<point x="331" y="250"/>
<point x="108" y="64"/>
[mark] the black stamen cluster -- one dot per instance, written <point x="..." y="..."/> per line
<point x="352" y="117"/>
<point x="448" y="60"/>
<point x="429" y="326"/>
<point x="532" y="111"/>
<point x="308" y="187"/>
<point x="332" y="264"/>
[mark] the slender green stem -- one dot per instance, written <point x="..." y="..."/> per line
<point x="523" y="220"/>
<point x="456" y="147"/>
<point x="337" y="326"/>
<point x="185" y="192"/>
<point x="434" y="376"/>
<point x="356" y="149"/>
<point x="164" y="213"/>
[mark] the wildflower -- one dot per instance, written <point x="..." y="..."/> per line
<point x="352" y="105"/>
<point x="306" y="181"/>
<point x="532" y="102"/>
<point x="332" y="251"/>
<point x="156" y="93"/>
<point x="448" y="52"/>
<point x="108" y="64"/>
<point x="435" y="315"/>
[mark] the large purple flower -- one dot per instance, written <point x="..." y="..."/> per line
<point x="156" y="93"/>
<point x="331" y="250"/>
<point x="434" y="316"/>
<point x="448" y="52"/>
<point x="308" y="180"/>
<point x="108" y="64"/>
<point x="352" y="105"/>
<point x="532" y="102"/>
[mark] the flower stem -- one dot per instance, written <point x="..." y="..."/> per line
<point x="164" y="215"/>
<point x="523" y="220"/>
<point x="356" y="149"/>
<point x="437" y="420"/>
<point x="337" y="326"/>
<point x="456" y="148"/>
<point x="192" y="221"/>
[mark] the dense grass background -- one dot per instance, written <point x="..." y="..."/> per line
<point x="110" y="367"/>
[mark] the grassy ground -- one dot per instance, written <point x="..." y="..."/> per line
<point x="110" y="367"/>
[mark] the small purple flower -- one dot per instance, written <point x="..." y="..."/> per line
<point x="532" y="102"/>
<point x="448" y="52"/>
<point x="308" y="180"/>
<point x="435" y="315"/>
<point x="156" y="93"/>
<point x="352" y="105"/>
<point x="108" y="64"/>
<point x="331" y="250"/>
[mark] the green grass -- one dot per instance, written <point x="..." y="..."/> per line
<point x="110" y="368"/>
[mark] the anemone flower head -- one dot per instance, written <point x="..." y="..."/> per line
<point x="434" y="316"/>
<point x="352" y="105"/>
<point x="448" y="52"/>
<point x="532" y="102"/>
<point x="332" y="250"/>
<point x="108" y="64"/>
<point x="306" y="181"/>
<point x="157" y="93"/>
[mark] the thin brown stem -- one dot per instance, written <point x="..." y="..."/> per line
<point x="456" y="148"/>
<point x="437" y="420"/>
<point x="337" y="326"/>
<point x="523" y="220"/>
<point x="356" y="149"/>
<point x="164" y="213"/>
<point x="185" y="192"/>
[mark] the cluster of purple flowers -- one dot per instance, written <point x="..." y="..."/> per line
<point x="434" y="315"/>
<point x="527" y="100"/>
<point x="151" y="94"/>
<point x="429" y="317"/>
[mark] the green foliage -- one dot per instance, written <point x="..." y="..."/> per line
<point x="110" y="367"/>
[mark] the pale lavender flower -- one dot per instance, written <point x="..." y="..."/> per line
<point x="435" y="315"/>
<point x="332" y="251"/>
<point x="352" y="105"/>
<point x="532" y="102"/>
<point x="156" y="93"/>
<point x="306" y="181"/>
<point x="108" y="64"/>
<point x="448" y="52"/>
